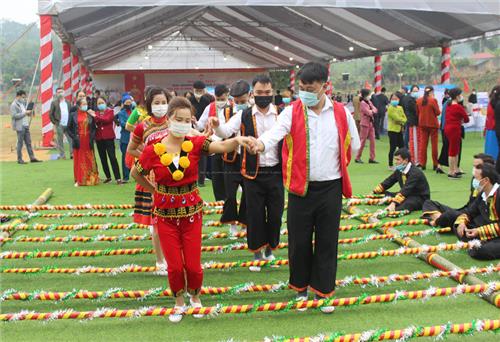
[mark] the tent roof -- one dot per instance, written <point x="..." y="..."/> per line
<point x="259" y="33"/>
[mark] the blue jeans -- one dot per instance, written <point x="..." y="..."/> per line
<point x="125" y="169"/>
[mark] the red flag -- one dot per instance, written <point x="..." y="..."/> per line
<point x="466" y="86"/>
<point x="367" y="85"/>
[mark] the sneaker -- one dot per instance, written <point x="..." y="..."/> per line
<point x="195" y="305"/>
<point x="254" y="268"/>
<point x="107" y="180"/>
<point x="271" y="258"/>
<point x="161" y="269"/>
<point x="328" y="309"/>
<point x="359" y="161"/>
<point x="302" y="297"/>
<point x="372" y="161"/>
<point x="233" y="232"/>
<point x="178" y="315"/>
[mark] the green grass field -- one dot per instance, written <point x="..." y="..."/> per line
<point x="23" y="184"/>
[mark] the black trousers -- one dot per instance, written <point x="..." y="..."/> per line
<point x="232" y="180"/>
<point x="265" y="201"/>
<point x="443" y="155"/>
<point x="106" y="149"/>
<point x="218" y="177"/>
<point x="411" y="203"/>
<point x="395" y="141"/>
<point x="489" y="250"/>
<point x="448" y="215"/>
<point x="318" y="214"/>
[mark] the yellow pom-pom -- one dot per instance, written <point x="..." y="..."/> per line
<point x="187" y="146"/>
<point x="184" y="162"/>
<point x="159" y="148"/>
<point x="166" y="159"/>
<point x="177" y="175"/>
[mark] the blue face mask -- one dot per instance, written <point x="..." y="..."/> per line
<point x="84" y="108"/>
<point x="101" y="106"/>
<point x="394" y="103"/>
<point x="241" y="106"/>
<point x="400" y="167"/>
<point x="476" y="184"/>
<point x="134" y="104"/>
<point x="414" y="94"/>
<point x="286" y="100"/>
<point x="309" y="99"/>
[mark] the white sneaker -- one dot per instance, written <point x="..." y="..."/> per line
<point x="178" y="315"/>
<point x="195" y="305"/>
<point x="270" y="259"/>
<point x="328" y="309"/>
<point x="254" y="268"/>
<point x="161" y="268"/>
<point x="233" y="231"/>
<point x="301" y="298"/>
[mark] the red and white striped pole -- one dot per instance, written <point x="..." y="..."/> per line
<point x="377" y="82"/>
<point x="83" y="78"/>
<point x="445" y="63"/>
<point x="46" y="77"/>
<point x="292" y="79"/>
<point x="66" y="68"/>
<point x="90" y="84"/>
<point x="75" y="74"/>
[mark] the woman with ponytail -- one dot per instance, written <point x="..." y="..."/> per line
<point x="428" y="126"/>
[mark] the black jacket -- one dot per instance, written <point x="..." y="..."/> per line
<point x="410" y="108"/>
<point x="73" y="129"/>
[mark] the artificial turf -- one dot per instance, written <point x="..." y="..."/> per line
<point x="23" y="184"/>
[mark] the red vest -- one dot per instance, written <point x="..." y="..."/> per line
<point x="296" y="150"/>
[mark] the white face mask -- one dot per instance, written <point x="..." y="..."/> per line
<point x="179" y="129"/>
<point x="159" y="111"/>
<point x="220" y="104"/>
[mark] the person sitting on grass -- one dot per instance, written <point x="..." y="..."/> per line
<point x="442" y="215"/>
<point x="480" y="219"/>
<point x="414" y="186"/>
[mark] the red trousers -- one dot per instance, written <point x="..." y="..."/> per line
<point x="180" y="241"/>
<point x="367" y="133"/>
<point x="423" y="141"/>
<point x="413" y="144"/>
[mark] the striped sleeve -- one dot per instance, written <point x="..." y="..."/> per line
<point x="489" y="231"/>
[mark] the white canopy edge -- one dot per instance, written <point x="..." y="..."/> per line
<point x="54" y="7"/>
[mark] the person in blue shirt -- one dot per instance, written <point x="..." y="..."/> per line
<point x="123" y="115"/>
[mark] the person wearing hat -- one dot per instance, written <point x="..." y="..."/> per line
<point x="123" y="116"/>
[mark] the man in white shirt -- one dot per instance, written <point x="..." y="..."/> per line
<point x="262" y="181"/>
<point x="59" y="115"/>
<point x="319" y="139"/>
<point x="223" y="110"/>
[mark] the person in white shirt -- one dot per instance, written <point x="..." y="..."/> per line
<point x="59" y="114"/>
<point x="262" y="181"/>
<point x="320" y="137"/>
<point x="222" y="109"/>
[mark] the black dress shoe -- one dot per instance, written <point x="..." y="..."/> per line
<point x="372" y="161"/>
<point x="35" y="161"/>
<point x="359" y="161"/>
<point x="22" y="162"/>
<point x="440" y="171"/>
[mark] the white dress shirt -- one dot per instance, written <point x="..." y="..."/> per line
<point x="492" y="192"/>
<point x="63" y="105"/>
<point x="264" y="122"/>
<point x="324" y="164"/>
<point x="202" y="123"/>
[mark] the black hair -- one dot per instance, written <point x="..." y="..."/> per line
<point x="79" y="101"/>
<point x="398" y="94"/>
<point x="152" y="92"/>
<point x="403" y="153"/>
<point x="264" y="79"/>
<point x="383" y="89"/>
<point x="199" y="85"/>
<point x="427" y="91"/>
<point x="239" y="88"/>
<point x="486" y="158"/>
<point x="20" y="92"/>
<point x="495" y="96"/>
<point x="414" y="86"/>
<point x="312" y="72"/>
<point x="472" y="98"/>
<point x="220" y="89"/>
<point x="488" y="171"/>
<point x="454" y="93"/>
<point x="365" y="92"/>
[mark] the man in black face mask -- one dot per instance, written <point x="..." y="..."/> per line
<point x="262" y="181"/>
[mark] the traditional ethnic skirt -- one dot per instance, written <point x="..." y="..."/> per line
<point x="143" y="206"/>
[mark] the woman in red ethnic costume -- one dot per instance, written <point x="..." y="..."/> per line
<point x="177" y="205"/>
<point x="149" y="129"/>
<point x="81" y="129"/>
